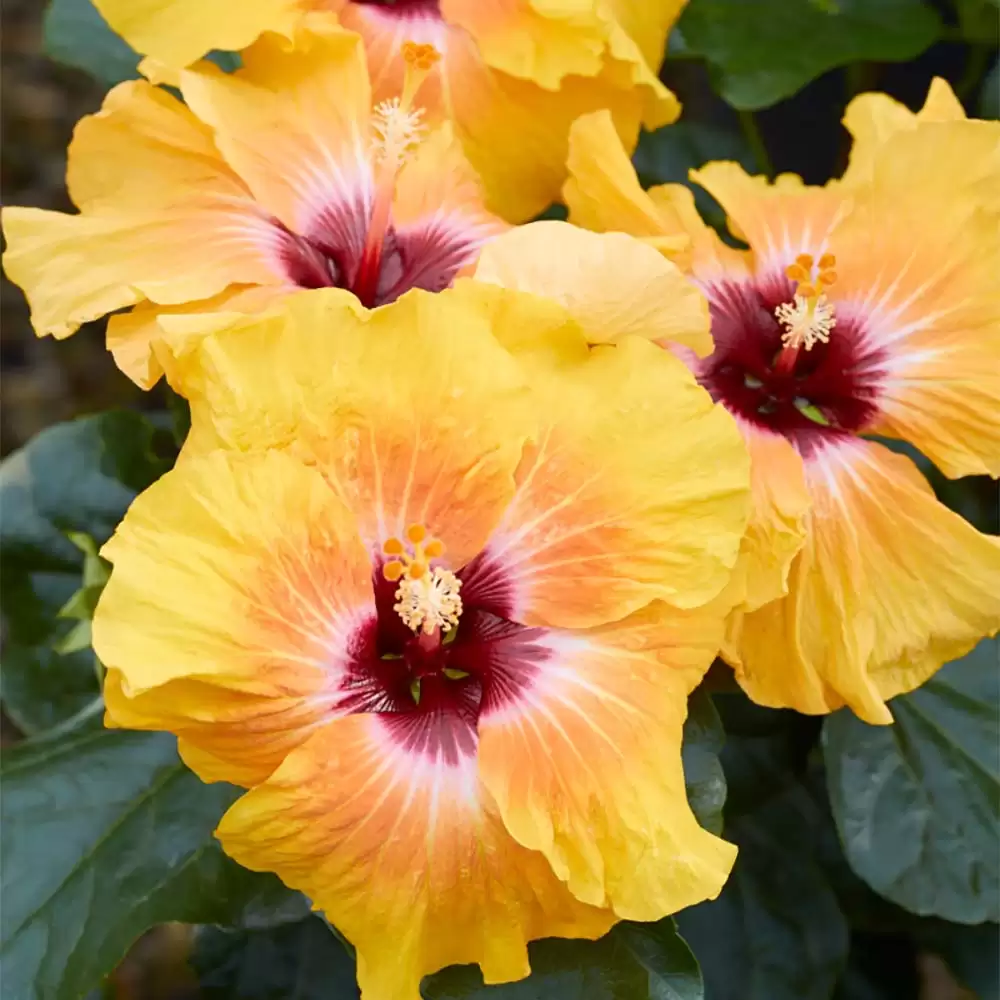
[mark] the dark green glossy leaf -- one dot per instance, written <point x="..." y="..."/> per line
<point x="77" y="35"/>
<point x="632" y="962"/>
<point x="73" y="480"/>
<point x="107" y="833"/>
<point x="776" y="932"/>
<point x="296" y="961"/>
<point x="917" y="804"/>
<point x="704" y="739"/>
<point x="765" y="51"/>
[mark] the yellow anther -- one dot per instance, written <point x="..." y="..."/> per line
<point x="430" y="602"/>
<point x="420" y="56"/>
<point x="809" y="318"/>
<point x="427" y="597"/>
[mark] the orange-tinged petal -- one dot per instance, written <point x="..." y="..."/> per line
<point x="293" y="122"/>
<point x="76" y="268"/>
<point x="615" y="504"/>
<point x="873" y="118"/>
<point x="779" y="220"/>
<point x="375" y="399"/>
<point x="889" y="586"/>
<point x="260" y="581"/>
<point x="612" y="284"/>
<point x="407" y="857"/>
<point x="931" y="304"/>
<point x="585" y="766"/>
<point x="539" y="41"/>
<point x="180" y="31"/>
<point x="439" y="185"/>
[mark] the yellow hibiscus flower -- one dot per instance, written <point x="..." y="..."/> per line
<point x="867" y="307"/>
<point x="514" y="73"/>
<point x="435" y="581"/>
<point x="276" y="178"/>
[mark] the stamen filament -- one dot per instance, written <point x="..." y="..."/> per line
<point x="398" y="128"/>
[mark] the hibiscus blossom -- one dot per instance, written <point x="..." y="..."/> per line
<point x="867" y="307"/>
<point x="279" y="177"/>
<point x="434" y="581"/>
<point x="513" y="77"/>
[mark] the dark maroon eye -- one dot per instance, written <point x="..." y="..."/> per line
<point x="829" y="389"/>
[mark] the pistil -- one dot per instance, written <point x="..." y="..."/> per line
<point x="809" y="318"/>
<point x="398" y="129"/>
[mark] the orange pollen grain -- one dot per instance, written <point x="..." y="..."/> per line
<point x="420" y="56"/>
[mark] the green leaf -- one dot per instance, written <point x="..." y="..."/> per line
<point x="75" y="34"/>
<point x="776" y="932"/>
<point x="762" y="52"/>
<point x="632" y="962"/>
<point x="73" y="481"/>
<point x="296" y="961"/>
<point x="107" y="833"/>
<point x="917" y="804"/>
<point x="666" y="155"/>
<point x="704" y="779"/>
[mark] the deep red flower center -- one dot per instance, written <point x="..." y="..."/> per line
<point x="830" y="390"/>
<point x="404" y="6"/>
<point x="432" y="689"/>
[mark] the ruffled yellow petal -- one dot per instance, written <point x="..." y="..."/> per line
<point x="603" y="194"/>
<point x="240" y="645"/>
<point x="77" y="268"/>
<point x="141" y="346"/>
<point x="889" y="586"/>
<point x="539" y="40"/>
<point x="180" y="31"/>
<point x="293" y="122"/>
<point x="615" y="504"/>
<point x="920" y="256"/>
<point x="374" y="398"/>
<point x="163" y="217"/>
<point x="647" y="23"/>
<point x="407" y="857"/>
<point x="144" y="149"/>
<point x="612" y="284"/>
<point x="776" y="530"/>
<point x="516" y="134"/>
<point x="873" y="118"/>
<point x="587" y="767"/>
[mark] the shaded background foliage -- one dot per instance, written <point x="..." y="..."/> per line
<point x="869" y="866"/>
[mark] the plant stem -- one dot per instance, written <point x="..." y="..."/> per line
<point x="751" y="131"/>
